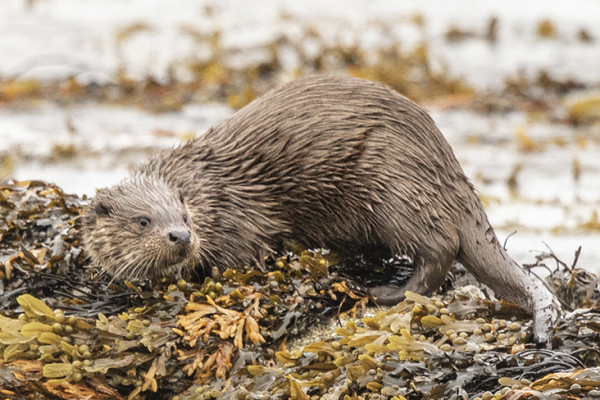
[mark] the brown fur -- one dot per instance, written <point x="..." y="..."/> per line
<point x="335" y="162"/>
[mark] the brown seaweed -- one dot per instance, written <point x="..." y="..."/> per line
<point x="78" y="334"/>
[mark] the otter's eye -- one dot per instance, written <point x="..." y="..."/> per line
<point x="144" y="222"/>
<point x="185" y="218"/>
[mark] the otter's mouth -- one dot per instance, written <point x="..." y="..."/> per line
<point x="178" y="267"/>
<point x="184" y="259"/>
<point x="185" y="253"/>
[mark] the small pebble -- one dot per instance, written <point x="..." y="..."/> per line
<point x="57" y="328"/>
<point x="431" y="309"/>
<point x="328" y="377"/>
<point x="514" y="327"/>
<point x="594" y="393"/>
<point x="575" y="388"/>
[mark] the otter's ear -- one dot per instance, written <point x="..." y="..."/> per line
<point x="102" y="209"/>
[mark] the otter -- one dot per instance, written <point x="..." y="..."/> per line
<point x="334" y="162"/>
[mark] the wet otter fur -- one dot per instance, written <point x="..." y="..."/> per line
<point x="342" y="163"/>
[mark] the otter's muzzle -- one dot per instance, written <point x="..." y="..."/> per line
<point x="180" y="237"/>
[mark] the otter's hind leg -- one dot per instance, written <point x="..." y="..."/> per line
<point x="429" y="275"/>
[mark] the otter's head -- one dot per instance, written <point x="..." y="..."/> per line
<point x="139" y="228"/>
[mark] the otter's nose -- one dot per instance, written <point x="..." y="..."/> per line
<point x="180" y="237"/>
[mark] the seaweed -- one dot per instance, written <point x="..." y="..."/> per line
<point x="303" y="329"/>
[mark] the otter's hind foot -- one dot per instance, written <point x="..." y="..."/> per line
<point x="387" y="295"/>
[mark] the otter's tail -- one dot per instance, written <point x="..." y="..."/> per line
<point x="481" y="253"/>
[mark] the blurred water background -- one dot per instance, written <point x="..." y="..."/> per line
<point x="88" y="89"/>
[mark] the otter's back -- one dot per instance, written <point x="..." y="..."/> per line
<point x="333" y="148"/>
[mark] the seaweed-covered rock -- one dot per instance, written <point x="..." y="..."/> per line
<point x="68" y="332"/>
